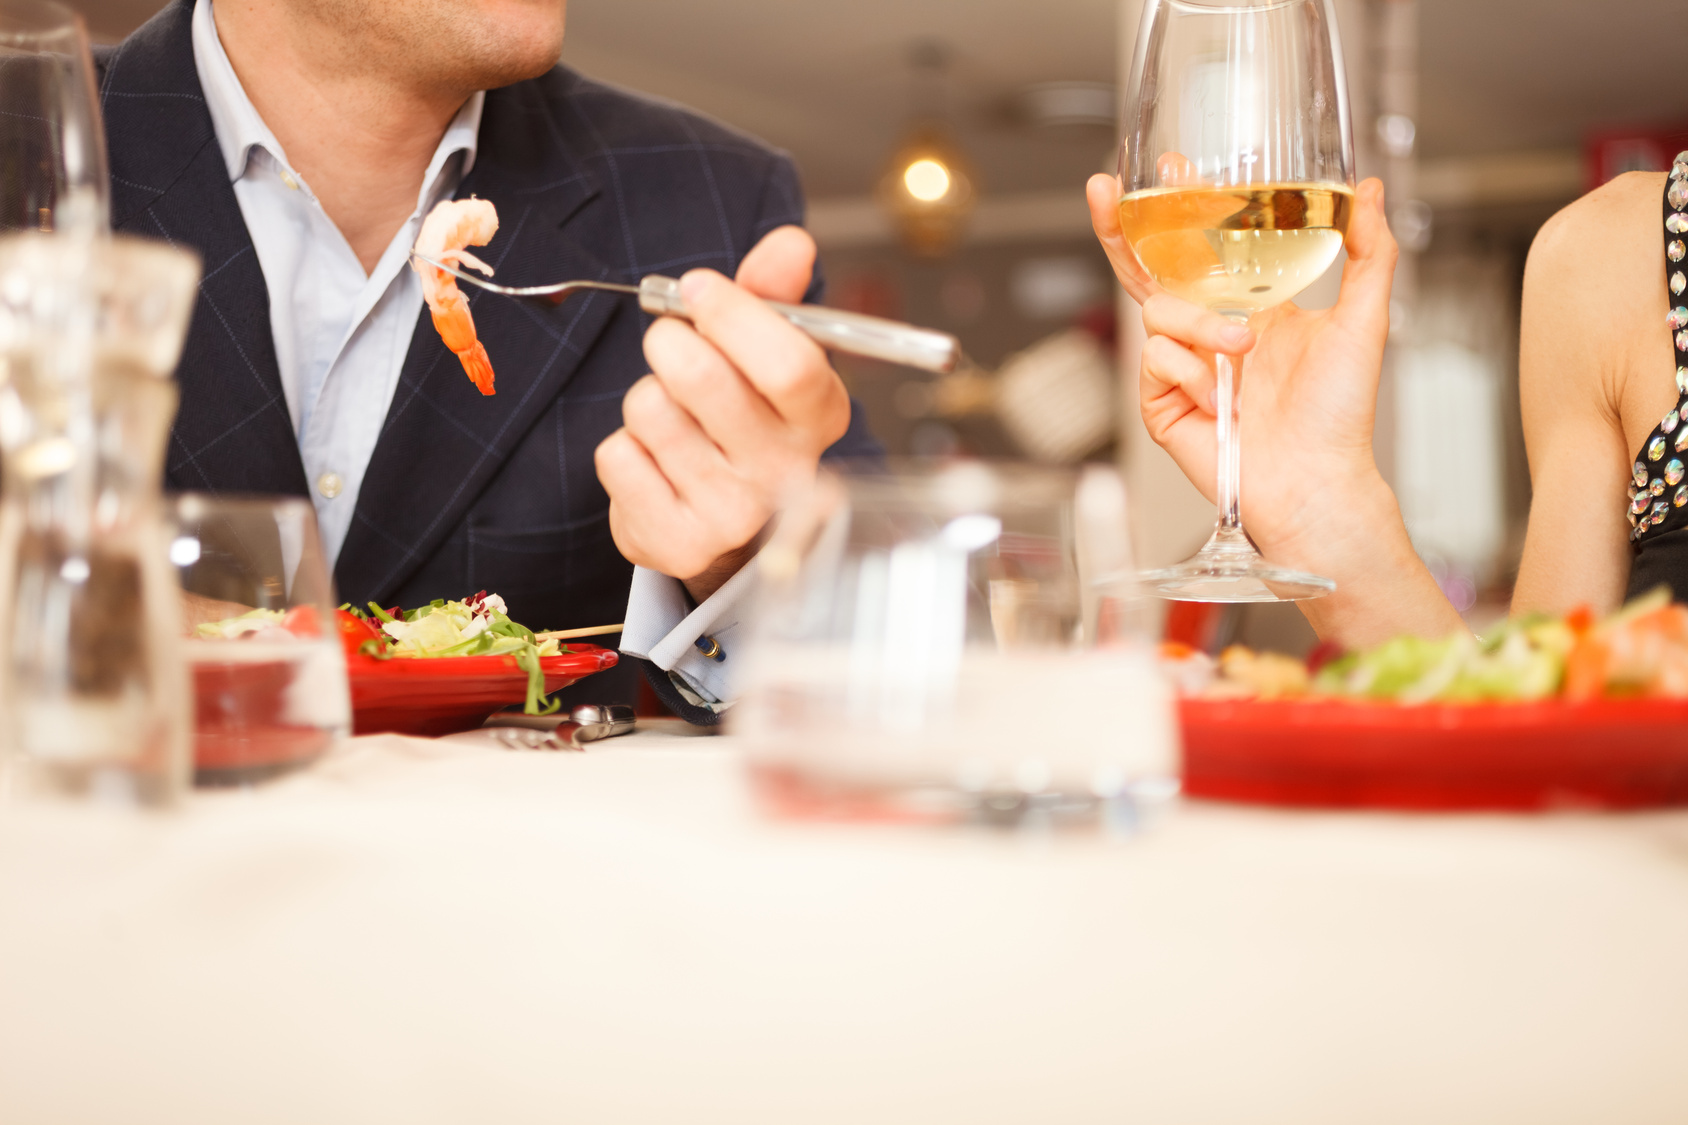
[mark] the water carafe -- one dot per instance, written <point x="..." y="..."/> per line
<point x="93" y="695"/>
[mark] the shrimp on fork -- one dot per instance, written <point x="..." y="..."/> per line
<point x="452" y="225"/>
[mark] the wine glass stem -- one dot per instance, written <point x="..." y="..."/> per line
<point x="1230" y="407"/>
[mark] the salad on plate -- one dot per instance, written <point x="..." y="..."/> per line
<point x="479" y="625"/>
<point x="1639" y="651"/>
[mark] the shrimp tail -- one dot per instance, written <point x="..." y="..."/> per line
<point x="479" y="368"/>
<point x="457" y="331"/>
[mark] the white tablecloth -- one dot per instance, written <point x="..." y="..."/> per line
<point x="427" y="932"/>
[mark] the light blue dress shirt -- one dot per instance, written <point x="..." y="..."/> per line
<point x="341" y="336"/>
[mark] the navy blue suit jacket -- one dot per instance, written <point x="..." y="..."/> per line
<point x="463" y="492"/>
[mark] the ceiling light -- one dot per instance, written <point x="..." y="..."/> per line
<point x="928" y="191"/>
<point x="927" y="187"/>
<point x="927" y="179"/>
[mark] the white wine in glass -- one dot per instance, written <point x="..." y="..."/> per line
<point x="1237" y="186"/>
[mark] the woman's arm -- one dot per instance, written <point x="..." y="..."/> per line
<point x="1312" y="496"/>
<point x="1594" y="377"/>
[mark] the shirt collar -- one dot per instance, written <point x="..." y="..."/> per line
<point x="239" y="129"/>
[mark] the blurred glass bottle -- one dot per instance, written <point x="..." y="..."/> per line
<point x="93" y="695"/>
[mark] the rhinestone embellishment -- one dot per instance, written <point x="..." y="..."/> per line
<point x="1681" y="496"/>
<point x="1659" y="510"/>
<point x="1678" y="283"/>
<point x="1655" y="448"/>
<point x="1682" y="440"/>
<point x="1639" y="504"/>
<point x="1674" y="473"/>
<point x="1677" y="224"/>
<point x="1657" y="488"/>
<point x="1682" y="341"/>
<point x="1678" y="194"/>
<point x="1677" y="318"/>
<point x="1640" y="475"/>
<point x="1682" y="382"/>
<point x="1676" y="251"/>
<point x="1669" y="423"/>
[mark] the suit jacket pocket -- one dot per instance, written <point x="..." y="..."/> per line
<point x="553" y="577"/>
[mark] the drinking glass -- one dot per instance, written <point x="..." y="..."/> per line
<point x="93" y="699"/>
<point x="954" y="644"/>
<point x="1237" y="174"/>
<point x="52" y="145"/>
<point x="269" y="675"/>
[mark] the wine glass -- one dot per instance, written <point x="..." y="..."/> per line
<point x="1237" y="180"/>
<point x="52" y="145"/>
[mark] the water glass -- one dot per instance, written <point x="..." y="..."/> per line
<point x="956" y="643"/>
<point x="52" y="143"/>
<point x="269" y="676"/>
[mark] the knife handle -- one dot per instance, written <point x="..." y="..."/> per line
<point x="854" y="333"/>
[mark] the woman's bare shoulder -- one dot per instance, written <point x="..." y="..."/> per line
<point x="1604" y="236"/>
<point x="1594" y="377"/>
<point x="1594" y="293"/>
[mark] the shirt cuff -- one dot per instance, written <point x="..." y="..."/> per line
<point x="661" y="627"/>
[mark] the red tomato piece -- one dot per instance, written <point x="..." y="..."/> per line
<point x="355" y="632"/>
<point x="302" y="621"/>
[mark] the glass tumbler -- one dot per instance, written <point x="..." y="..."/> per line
<point x="269" y="676"/>
<point x="955" y="643"/>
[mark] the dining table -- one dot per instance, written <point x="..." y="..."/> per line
<point x="427" y="931"/>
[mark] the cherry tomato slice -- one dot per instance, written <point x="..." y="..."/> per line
<point x="302" y="621"/>
<point x="355" y="632"/>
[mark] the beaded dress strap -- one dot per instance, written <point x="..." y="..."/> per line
<point x="1658" y="498"/>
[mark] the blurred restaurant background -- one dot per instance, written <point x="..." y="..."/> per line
<point x="1483" y="118"/>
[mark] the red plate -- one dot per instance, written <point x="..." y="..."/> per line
<point x="453" y="693"/>
<point x="240" y="732"/>
<point x="1627" y="754"/>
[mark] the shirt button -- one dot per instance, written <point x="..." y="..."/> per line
<point x="329" y="484"/>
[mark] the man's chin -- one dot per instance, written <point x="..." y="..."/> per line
<point x="490" y="65"/>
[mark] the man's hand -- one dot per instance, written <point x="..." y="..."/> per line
<point x="739" y="406"/>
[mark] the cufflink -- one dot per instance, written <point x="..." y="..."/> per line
<point x="711" y="649"/>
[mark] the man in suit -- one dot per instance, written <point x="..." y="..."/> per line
<point x="296" y="145"/>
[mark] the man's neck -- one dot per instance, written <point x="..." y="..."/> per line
<point x="360" y="138"/>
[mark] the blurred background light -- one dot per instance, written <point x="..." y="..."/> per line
<point x="927" y="179"/>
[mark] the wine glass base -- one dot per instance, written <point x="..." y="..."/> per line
<point x="1229" y="575"/>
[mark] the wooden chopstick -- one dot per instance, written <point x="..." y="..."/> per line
<point x="566" y="634"/>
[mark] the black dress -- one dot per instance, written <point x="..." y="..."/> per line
<point x="1658" y="495"/>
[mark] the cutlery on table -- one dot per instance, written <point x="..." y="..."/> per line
<point x="588" y="722"/>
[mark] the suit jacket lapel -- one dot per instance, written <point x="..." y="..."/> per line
<point x="443" y="442"/>
<point x="232" y="432"/>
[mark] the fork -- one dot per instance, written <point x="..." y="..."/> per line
<point x="850" y="332"/>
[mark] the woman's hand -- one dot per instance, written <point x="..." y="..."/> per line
<point x="1312" y="497"/>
